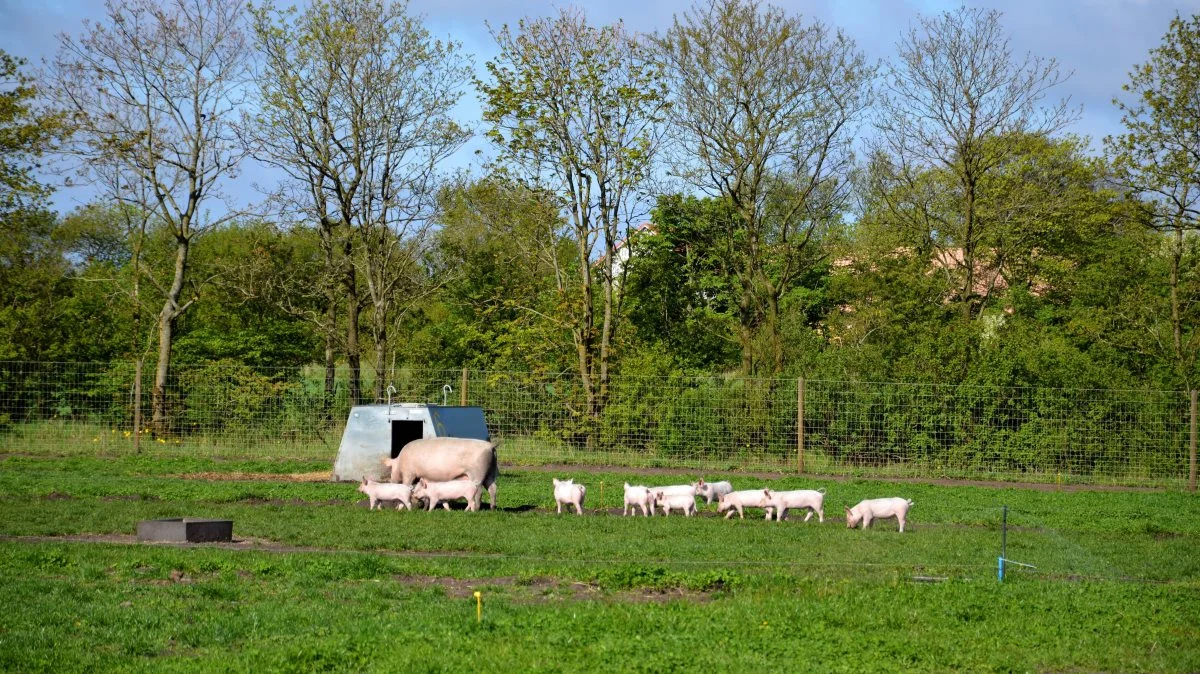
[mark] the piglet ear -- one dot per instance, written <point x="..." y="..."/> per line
<point x="364" y="479"/>
<point x="847" y="509"/>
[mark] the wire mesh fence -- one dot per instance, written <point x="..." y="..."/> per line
<point x="708" y="423"/>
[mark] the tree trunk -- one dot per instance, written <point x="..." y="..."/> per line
<point x="353" y="308"/>
<point x="330" y="380"/>
<point x="968" y="252"/>
<point x="775" y="334"/>
<point x="166" y="322"/>
<point x="327" y="247"/>
<point x="1176" y="318"/>
<point x="746" y="329"/>
<point x="353" y="355"/>
<point x="380" y="365"/>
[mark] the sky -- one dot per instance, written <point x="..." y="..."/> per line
<point x="1097" y="41"/>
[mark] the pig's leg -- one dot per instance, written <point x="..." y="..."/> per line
<point x="866" y="521"/>
<point x="491" y="496"/>
<point x="808" y="515"/>
<point x="558" y="507"/>
<point x="901" y="519"/>
<point x="729" y="514"/>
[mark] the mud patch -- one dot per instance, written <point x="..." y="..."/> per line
<point x="260" y="501"/>
<point x="318" y="476"/>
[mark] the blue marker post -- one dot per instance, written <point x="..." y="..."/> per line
<point x="1003" y="543"/>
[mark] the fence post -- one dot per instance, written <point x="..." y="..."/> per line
<point x="1192" y="460"/>
<point x="137" y="408"/>
<point x="800" y="425"/>
<point x="462" y="390"/>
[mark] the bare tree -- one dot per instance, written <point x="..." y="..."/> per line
<point x="957" y="102"/>
<point x="154" y="88"/>
<point x="576" y="110"/>
<point x="355" y="107"/>
<point x="763" y="116"/>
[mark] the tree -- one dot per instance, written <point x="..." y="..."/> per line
<point x="238" y="320"/>
<point x="949" y="101"/>
<point x="499" y="244"/>
<point x="1050" y="214"/>
<point x="26" y="133"/>
<point x="575" y="109"/>
<point x="763" y="109"/>
<point x="678" y="292"/>
<point x="1157" y="160"/>
<point x="355" y="102"/>
<point x="32" y="266"/>
<point x="153" y="90"/>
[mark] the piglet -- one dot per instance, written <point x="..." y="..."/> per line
<point x="878" y="508"/>
<point x="676" y="500"/>
<point x="443" y="492"/>
<point x="638" y="497"/>
<point x="386" y="491"/>
<point x="736" y="501"/>
<point x="712" y="491"/>
<point x="813" y="501"/>
<point x="566" y="491"/>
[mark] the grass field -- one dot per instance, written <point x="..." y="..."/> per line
<point x="315" y="582"/>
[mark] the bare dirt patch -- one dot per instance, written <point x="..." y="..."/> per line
<point x="318" y="476"/>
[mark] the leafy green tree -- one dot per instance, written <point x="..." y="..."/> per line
<point x="235" y="317"/>
<point x="575" y="109"/>
<point x="762" y="116"/>
<point x="1052" y="217"/>
<point x="499" y="308"/>
<point x="678" y="292"/>
<point x="1158" y="161"/>
<point x="32" y="267"/>
<point x="26" y="133"/>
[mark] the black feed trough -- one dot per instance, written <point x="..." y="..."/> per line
<point x="185" y="530"/>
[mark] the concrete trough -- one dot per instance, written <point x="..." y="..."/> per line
<point x="185" y="530"/>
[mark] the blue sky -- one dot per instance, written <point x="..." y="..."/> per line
<point x="1097" y="40"/>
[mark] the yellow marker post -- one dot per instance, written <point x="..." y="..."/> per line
<point x="602" y="494"/>
<point x="478" y="607"/>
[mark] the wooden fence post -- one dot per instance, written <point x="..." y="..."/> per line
<point x="800" y="425"/>
<point x="1192" y="461"/>
<point x="137" y="408"/>
<point x="462" y="390"/>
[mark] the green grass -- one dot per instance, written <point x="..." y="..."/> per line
<point x="317" y="444"/>
<point x="324" y="584"/>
